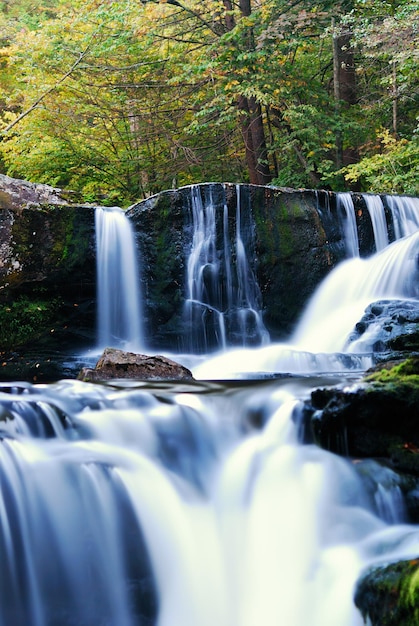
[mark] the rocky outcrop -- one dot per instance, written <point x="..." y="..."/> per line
<point x="376" y="418"/>
<point x="114" y="364"/>
<point x="44" y="240"/>
<point x="388" y="326"/>
<point x="18" y="194"/>
<point x="47" y="279"/>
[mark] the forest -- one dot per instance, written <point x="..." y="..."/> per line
<point x="115" y="100"/>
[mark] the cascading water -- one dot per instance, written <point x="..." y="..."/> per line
<point x="118" y="294"/>
<point x="404" y="217"/>
<point x="223" y="299"/>
<point x="405" y="214"/>
<point x="346" y="209"/>
<point x="378" y="219"/>
<point x="135" y="504"/>
<point x="147" y="505"/>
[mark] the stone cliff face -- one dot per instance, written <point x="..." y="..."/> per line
<point x="47" y="267"/>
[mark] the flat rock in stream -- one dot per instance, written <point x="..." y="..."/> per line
<point x="119" y="364"/>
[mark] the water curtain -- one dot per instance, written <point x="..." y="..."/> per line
<point x="118" y="292"/>
<point x="223" y="300"/>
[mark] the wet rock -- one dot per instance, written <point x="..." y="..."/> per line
<point x="389" y="595"/>
<point x="379" y="417"/>
<point x="115" y="364"/>
<point x="47" y="268"/>
<point x="388" y="325"/>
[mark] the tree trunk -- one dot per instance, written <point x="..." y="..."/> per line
<point x="251" y="121"/>
<point x="345" y="91"/>
<point x="245" y="127"/>
<point x="259" y="142"/>
<point x="245" y="8"/>
<point x="395" y="97"/>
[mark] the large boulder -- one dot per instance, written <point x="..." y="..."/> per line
<point x="16" y="194"/>
<point x="388" y="325"/>
<point x="114" y="364"/>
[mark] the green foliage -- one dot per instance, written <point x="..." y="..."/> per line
<point x="24" y="320"/>
<point x="394" y="169"/>
<point x="120" y="100"/>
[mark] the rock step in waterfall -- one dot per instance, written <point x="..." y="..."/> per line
<point x="291" y="240"/>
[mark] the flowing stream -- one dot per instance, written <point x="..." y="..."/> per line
<point x="197" y="504"/>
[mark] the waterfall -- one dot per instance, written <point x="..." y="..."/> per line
<point x="118" y="295"/>
<point x="404" y="219"/>
<point x="330" y="316"/>
<point x="346" y="206"/>
<point x="378" y="219"/>
<point x="223" y="299"/>
<point x="405" y="214"/>
<point x="195" y="504"/>
<point x="341" y="299"/>
<point x="169" y="507"/>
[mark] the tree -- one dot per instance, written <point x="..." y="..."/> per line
<point x="119" y="100"/>
<point x="388" y="37"/>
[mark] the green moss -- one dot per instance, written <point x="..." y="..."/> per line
<point x="69" y="242"/>
<point x="389" y="595"/>
<point x="410" y="594"/>
<point x="24" y="320"/>
<point x="54" y="237"/>
<point x="405" y="372"/>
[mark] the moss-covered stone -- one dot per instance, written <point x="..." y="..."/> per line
<point x="47" y="266"/>
<point x="389" y="595"/>
<point x="406" y="371"/>
<point x="159" y="224"/>
<point x="377" y="418"/>
<point x="48" y="245"/>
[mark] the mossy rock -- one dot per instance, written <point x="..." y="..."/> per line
<point x="379" y="417"/>
<point x="389" y="595"/>
<point x="292" y="246"/>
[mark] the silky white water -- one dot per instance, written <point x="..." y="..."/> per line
<point x="171" y="506"/>
<point x="320" y="341"/>
<point x="346" y="205"/>
<point x="378" y="219"/>
<point x="118" y="295"/>
<point x="222" y="306"/>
